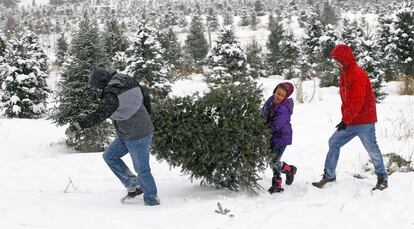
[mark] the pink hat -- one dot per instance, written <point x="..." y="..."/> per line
<point x="288" y="87"/>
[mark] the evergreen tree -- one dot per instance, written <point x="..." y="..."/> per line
<point x="212" y="20"/>
<point x="228" y="18"/>
<point x="75" y="99"/>
<point x="24" y="73"/>
<point x="11" y="26"/>
<point x="170" y="18"/>
<point x="368" y="60"/>
<point x="10" y="3"/>
<point x="62" y="50"/>
<point x="259" y="8"/>
<point x="169" y="42"/>
<point x="114" y="39"/>
<point x="119" y="61"/>
<point x="219" y="138"/>
<point x="311" y="46"/>
<point x="56" y="2"/>
<point x="227" y="59"/>
<point x="328" y="14"/>
<point x="329" y="73"/>
<point x="182" y="21"/>
<point x="271" y="21"/>
<point x="244" y="20"/>
<point x="146" y="62"/>
<point x="289" y="55"/>
<point x="274" y="49"/>
<point x="196" y="43"/>
<point x="405" y="39"/>
<point x="303" y="18"/>
<point x="351" y="32"/>
<point x="253" y="21"/>
<point x="2" y="48"/>
<point x="387" y="47"/>
<point x="254" y="58"/>
<point x="3" y="67"/>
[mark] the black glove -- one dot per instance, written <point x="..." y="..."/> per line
<point x="72" y="130"/>
<point x="341" y="126"/>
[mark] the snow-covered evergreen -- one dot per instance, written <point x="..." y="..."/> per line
<point x="216" y="137"/>
<point x="212" y="19"/>
<point x="405" y="38"/>
<point x="228" y="18"/>
<point x="169" y="42"/>
<point x="274" y="49"/>
<point x="255" y="59"/>
<point x="386" y="38"/>
<point x="227" y="59"/>
<point x="196" y="43"/>
<point x="2" y="47"/>
<point x="146" y="61"/>
<point x="290" y="54"/>
<point x="329" y="73"/>
<point x="244" y="18"/>
<point x="311" y="47"/>
<point x="74" y="98"/>
<point x="62" y="50"/>
<point x="114" y="38"/>
<point x="24" y="73"/>
<point x="329" y="16"/>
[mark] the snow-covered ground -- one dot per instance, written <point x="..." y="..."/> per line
<point x="27" y="3"/>
<point x="36" y="170"/>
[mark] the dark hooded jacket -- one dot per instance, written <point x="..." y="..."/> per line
<point x="278" y="117"/>
<point x="122" y="102"/>
<point x="358" y="99"/>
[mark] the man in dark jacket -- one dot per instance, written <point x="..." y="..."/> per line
<point x="122" y="102"/>
<point x="358" y="117"/>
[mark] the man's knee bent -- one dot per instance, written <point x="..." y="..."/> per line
<point x="108" y="157"/>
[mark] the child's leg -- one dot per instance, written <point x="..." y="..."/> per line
<point x="276" y="165"/>
<point x="279" y="166"/>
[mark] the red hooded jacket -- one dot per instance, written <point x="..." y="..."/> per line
<point x="358" y="100"/>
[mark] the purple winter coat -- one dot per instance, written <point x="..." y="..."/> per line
<point x="278" y="120"/>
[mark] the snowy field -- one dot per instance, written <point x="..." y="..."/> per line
<point x="27" y="3"/>
<point x="36" y="169"/>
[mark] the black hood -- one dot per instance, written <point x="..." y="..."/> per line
<point x="100" y="77"/>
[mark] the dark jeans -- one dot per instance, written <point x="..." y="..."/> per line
<point x="276" y="162"/>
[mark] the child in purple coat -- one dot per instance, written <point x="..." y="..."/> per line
<point x="277" y="111"/>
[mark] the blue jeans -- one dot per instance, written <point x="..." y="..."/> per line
<point x="139" y="152"/>
<point x="367" y="135"/>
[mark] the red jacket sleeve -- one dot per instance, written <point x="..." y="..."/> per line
<point x="355" y="96"/>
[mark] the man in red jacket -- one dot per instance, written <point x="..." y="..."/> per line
<point x="358" y="117"/>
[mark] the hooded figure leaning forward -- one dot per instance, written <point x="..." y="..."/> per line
<point x="122" y="102"/>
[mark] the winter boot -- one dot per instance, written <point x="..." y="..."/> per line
<point x="290" y="172"/>
<point x="276" y="185"/>
<point x="131" y="195"/>
<point x="381" y="183"/>
<point x="322" y="182"/>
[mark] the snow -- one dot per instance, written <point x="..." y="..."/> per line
<point x="14" y="99"/>
<point x="27" y="3"/>
<point x="36" y="170"/>
<point x="44" y="184"/>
